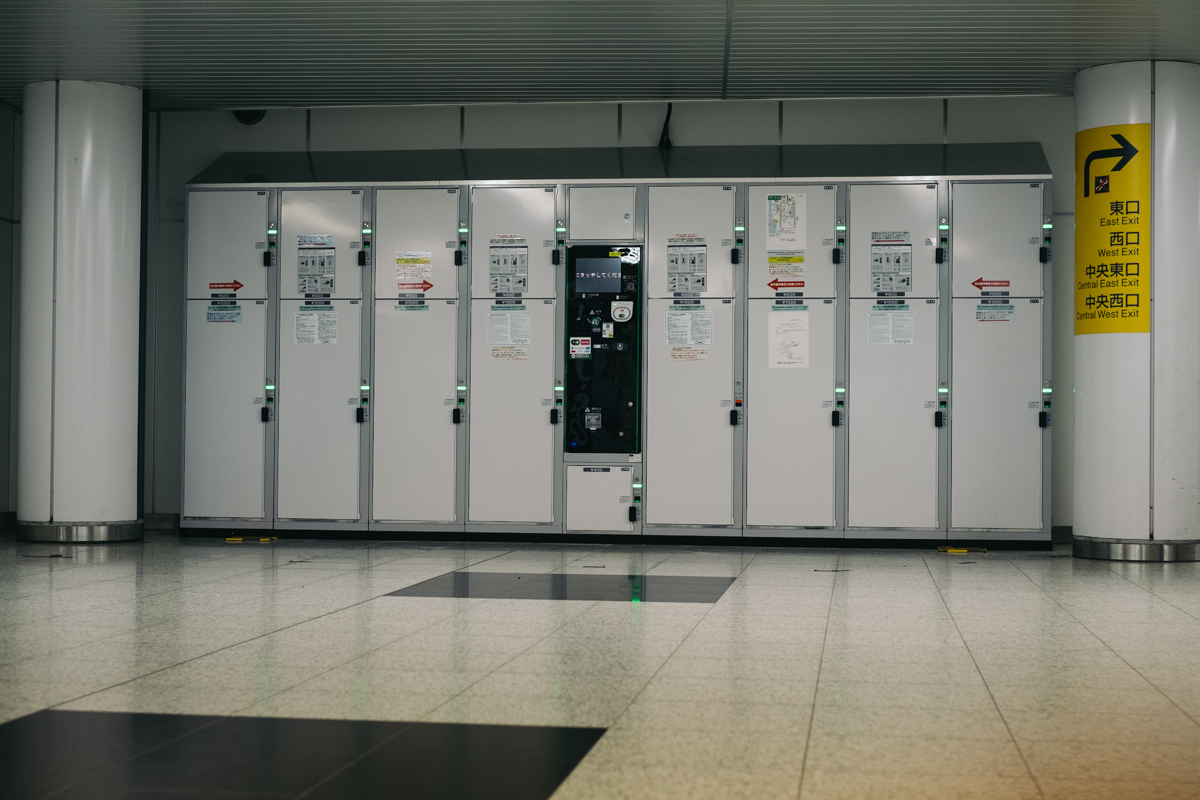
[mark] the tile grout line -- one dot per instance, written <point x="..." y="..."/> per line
<point x="1113" y="569"/>
<point x="1011" y="736"/>
<point x="1110" y="648"/>
<point x="260" y="636"/>
<point x="812" y="713"/>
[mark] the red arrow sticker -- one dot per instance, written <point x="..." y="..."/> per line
<point x="423" y="286"/>
<point x="980" y="283"/>
<point x="234" y="285"/>
<point x="777" y="284"/>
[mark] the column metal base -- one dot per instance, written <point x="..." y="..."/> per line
<point x="79" y="532"/>
<point x="1137" y="549"/>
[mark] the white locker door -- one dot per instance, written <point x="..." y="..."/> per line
<point x="224" y="436"/>
<point x="682" y="219"/>
<point x="508" y="223"/>
<point x="892" y="399"/>
<point x="320" y="235"/>
<point x="513" y="444"/>
<point x="996" y="444"/>
<point x="602" y="212"/>
<point x="319" y="376"/>
<point x="689" y="394"/>
<point x="790" y="240"/>
<point x="599" y="498"/>
<point x="907" y="211"/>
<point x="416" y="236"/>
<point x="227" y="236"/>
<point x="789" y="403"/>
<point x="997" y="233"/>
<point x="416" y="356"/>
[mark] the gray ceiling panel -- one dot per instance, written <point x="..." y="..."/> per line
<point x="270" y="53"/>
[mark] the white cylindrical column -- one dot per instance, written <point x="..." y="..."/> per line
<point x="80" y="281"/>
<point x="1137" y="316"/>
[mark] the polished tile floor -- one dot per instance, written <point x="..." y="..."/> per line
<point x="814" y="674"/>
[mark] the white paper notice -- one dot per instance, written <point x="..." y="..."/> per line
<point x="787" y="340"/>
<point x="889" y="328"/>
<point x="689" y="354"/>
<point x="687" y="264"/>
<point x="891" y="268"/>
<point x="786" y="264"/>
<point x="508" y="269"/>
<point x="786" y="222"/>
<point x="510" y="327"/>
<point x="410" y="265"/>
<point x="510" y="353"/>
<point x="689" y="328"/>
<point x="316" y="327"/>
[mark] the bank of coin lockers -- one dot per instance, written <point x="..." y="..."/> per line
<point x="817" y="357"/>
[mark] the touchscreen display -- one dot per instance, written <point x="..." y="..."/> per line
<point x="598" y="275"/>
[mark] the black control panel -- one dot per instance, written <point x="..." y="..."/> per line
<point x="603" y="388"/>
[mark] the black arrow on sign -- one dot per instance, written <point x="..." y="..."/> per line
<point x="1125" y="152"/>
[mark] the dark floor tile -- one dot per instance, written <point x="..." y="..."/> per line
<point x="50" y="750"/>
<point x="250" y="755"/>
<point x="564" y="586"/>
<point x="464" y="762"/>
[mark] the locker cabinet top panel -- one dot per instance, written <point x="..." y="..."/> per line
<point x="826" y="162"/>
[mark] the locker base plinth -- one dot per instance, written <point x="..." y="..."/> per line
<point x="1137" y="549"/>
<point x="79" y="532"/>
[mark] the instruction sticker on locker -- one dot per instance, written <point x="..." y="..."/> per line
<point x="508" y="269"/>
<point x="218" y="311"/>
<point x="315" y="270"/>
<point x="786" y="264"/>
<point x="316" y="327"/>
<point x="510" y="353"/>
<point x="787" y="338"/>
<point x="891" y="261"/>
<point x="689" y="328"/>
<point x="890" y="325"/>
<point x="786" y="222"/>
<point x="994" y="311"/>
<point x="413" y="265"/>
<point x="687" y="264"/>
<point x="510" y="327"/>
<point x="580" y="346"/>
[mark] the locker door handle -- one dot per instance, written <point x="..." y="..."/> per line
<point x="362" y="258"/>
<point x="735" y="256"/>
<point x="837" y="255"/>
<point x="266" y="414"/>
<point x="1043" y="255"/>
<point x="837" y="418"/>
<point x="633" y="513"/>
<point x="1043" y="419"/>
<point x="939" y="255"/>
<point x="456" y="416"/>
<point x="458" y="258"/>
<point x="267" y="258"/>
<point x="939" y="419"/>
<point x="360" y="415"/>
<point x="554" y="416"/>
<point x="555" y="257"/>
<point x="733" y="416"/>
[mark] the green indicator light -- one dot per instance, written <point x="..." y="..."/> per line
<point x="637" y="486"/>
<point x="366" y="230"/>
<point x="943" y="391"/>
<point x="839" y="390"/>
<point x="558" y="388"/>
<point x="462" y="230"/>
<point x="559" y="230"/>
<point x="1047" y="226"/>
<point x="943" y="227"/>
<point x="270" y="387"/>
<point x="364" y="388"/>
<point x="739" y="227"/>
<point x="840" y="227"/>
<point x="1047" y="391"/>
<point x="271" y="231"/>
<point x="461" y="388"/>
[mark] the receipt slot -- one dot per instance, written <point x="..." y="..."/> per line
<point x="603" y="363"/>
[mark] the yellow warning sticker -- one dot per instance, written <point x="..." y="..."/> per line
<point x="1112" y="229"/>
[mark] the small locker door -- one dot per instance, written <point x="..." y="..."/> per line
<point x="512" y="241"/>
<point x="691" y="241"/>
<point x="689" y="396"/>
<point x="996" y="235"/>
<point x="791" y="239"/>
<point x="416" y="357"/>
<point x="789" y="403"/>
<point x="317" y="397"/>
<point x="224" y="436"/>
<point x="513" y="443"/>
<point x="227" y="236"/>
<point x="320" y="237"/>
<point x="602" y="212"/>
<point x="996" y="443"/>
<point x="893" y="236"/>
<point x="416" y="236"/>
<point x="892" y="401"/>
